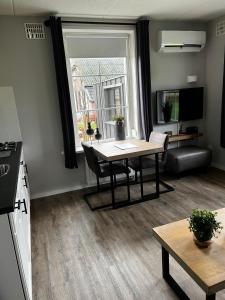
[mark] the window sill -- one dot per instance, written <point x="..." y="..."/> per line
<point x="79" y="149"/>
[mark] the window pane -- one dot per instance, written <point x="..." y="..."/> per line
<point x="112" y="66"/>
<point x="84" y="66"/>
<point x="82" y="124"/>
<point x="98" y="66"/>
<point x="108" y="125"/>
<point x="113" y="96"/>
<point x="85" y="92"/>
<point x="99" y="93"/>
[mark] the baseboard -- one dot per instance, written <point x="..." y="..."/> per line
<point x="60" y="191"/>
<point x="65" y="190"/>
<point x="218" y="166"/>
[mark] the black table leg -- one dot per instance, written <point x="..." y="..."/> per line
<point x="157" y="174"/>
<point x="172" y="283"/>
<point x="141" y="177"/>
<point x="169" y="279"/>
<point x="112" y="184"/>
<point x="165" y="263"/>
<point x="128" y="181"/>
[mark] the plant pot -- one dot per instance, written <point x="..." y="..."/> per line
<point x="120" y="131"/>
<point x="204" y="244"/>
<point x="167" y="115"/>
<point x="203" y="239"/>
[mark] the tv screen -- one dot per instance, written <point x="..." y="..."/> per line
<point x="179" y="105"/>
<point x="190" y="104"/>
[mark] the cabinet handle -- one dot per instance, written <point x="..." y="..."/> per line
<point x="25" y="181"/>
<point x="17" y="204"/>
<point x="25" y="206"/>
<point x="25" y="166"/>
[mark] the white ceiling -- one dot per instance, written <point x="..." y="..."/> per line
<point x="155" y="9"/>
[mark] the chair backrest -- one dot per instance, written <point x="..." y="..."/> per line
<point x="91" y="157"/>
<point x="158" y="138"/>
<point x="162" y="139"/>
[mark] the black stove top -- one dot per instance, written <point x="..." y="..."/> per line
<point x="8" y="146"/>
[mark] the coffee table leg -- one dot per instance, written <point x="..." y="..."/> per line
<point x="211" y="297"/>
<point x="169" y="279"/>
<point x="165" y="263"/>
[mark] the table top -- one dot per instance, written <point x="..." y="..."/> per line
<point x="205" y="265"/>
<point x="109" y="151"/>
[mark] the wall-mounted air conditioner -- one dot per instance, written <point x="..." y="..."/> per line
<point x="181" y="41"/>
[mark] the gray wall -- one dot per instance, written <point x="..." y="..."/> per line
<point x="170" y="70"/>
<point x="214" y="79"/>
<point x="27" y="66"/>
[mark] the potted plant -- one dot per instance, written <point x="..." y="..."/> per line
<point x="204" y="226"/>
<point x="119" y="127"/>
<point x="167" y="111"/>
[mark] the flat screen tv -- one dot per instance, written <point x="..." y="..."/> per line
<point x="179" y="105"/>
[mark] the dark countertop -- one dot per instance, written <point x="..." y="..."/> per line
<point x="8" y="183"/>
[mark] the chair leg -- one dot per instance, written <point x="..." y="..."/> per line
<point x="114" y="176"/>
<point x="98" y="183"/>
<point x="136" y="176"/>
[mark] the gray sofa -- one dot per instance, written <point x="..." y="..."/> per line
<point x="187" y="158"/>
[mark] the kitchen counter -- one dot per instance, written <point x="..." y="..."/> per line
<point x="8" y="183"/>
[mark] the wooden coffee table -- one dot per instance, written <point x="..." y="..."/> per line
<point x="206" y="266"/>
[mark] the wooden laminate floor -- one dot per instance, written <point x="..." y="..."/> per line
<point x="111" y="254"/>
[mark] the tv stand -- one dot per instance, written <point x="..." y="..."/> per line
<point x="184" y="137"/>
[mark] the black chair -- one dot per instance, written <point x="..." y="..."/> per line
<point x="148" y="162"/>
<point x="102" y="169"/>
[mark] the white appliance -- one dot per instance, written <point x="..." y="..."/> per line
<point x="181" y="41"/>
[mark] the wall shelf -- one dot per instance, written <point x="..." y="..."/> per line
<point x="184" y="137"/>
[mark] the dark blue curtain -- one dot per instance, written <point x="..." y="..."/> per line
<point x="222" y="131"/>
<point x="144" y="78"/>
<point x="63" y="92"/>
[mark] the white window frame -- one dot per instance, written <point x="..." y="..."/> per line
<point x="117" y="31"/>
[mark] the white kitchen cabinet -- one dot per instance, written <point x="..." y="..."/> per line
<point x="15" y="244"/>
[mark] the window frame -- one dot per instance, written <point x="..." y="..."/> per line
<point x="130" y="81"/>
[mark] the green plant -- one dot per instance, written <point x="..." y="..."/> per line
<point x="118" y="118"/>
<point x="203" y="224"/>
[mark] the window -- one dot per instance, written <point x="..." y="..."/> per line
<point x="99" y="87"/>
<point x="98" y="68"/>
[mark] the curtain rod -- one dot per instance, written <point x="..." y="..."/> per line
<point x="92" y="22"/>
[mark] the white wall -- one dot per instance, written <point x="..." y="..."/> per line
<point x="9" y="122"/>
<point x="170" y="70"/>
<point x="214" y="79"/>
<point x="27" y="66"/>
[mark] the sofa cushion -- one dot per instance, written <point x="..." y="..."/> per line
<point x="187" y="158"/>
